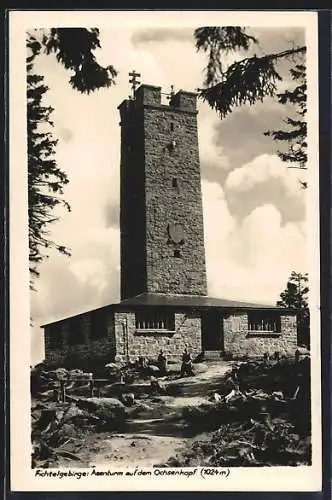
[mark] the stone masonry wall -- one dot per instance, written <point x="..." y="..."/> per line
<point x="240" y="342"/>
<point x="90" y="348"/>
<point x="173" y="196"/>
<point x="133" y="344"/>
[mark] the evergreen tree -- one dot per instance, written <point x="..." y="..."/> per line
<point x="295" y="296"/>
<point x="296" y="293"/>
<point x="251" y="79"/>
<point x="45" y="179"/>
<point x="296" y="133"/>
<point x="74" y="50"/>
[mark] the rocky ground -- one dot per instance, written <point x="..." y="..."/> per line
<point x="227" y="413"/>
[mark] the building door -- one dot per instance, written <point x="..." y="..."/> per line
<point x="212" y="331"/>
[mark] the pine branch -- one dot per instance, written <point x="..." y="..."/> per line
<point x="74" y="50"/>
<point x="246" y="81"/>
<point x="296" y="133"/>
<point x="43" y="174"/>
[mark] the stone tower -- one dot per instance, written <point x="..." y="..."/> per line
<point x="161" y="217"/>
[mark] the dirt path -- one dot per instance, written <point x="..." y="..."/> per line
<point x="157" y="433"/>
<point x="131" y="450"/>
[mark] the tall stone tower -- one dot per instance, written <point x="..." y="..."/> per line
<point x="161" y="217"/>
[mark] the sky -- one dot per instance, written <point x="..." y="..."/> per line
<point x="254" y="207"/>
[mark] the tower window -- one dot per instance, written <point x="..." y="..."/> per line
<point x="175" y="183"/>
<point x="177" y="253"/>
<point x="172" y="127"/>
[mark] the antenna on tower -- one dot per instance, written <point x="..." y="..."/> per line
<point x="134" y="82"/>
<point x="170" y="95"/>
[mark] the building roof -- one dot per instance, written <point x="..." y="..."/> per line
<point x="157" y="299"/>
<point x="175" y="301"/>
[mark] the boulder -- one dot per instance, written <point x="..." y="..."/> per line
<point x="153" y="369"/>
<point x="72" y="413"/>
<point x="128" y="399"/>
<point x="303" y="351"/>
<point x="112" y="367"/>
<point x="110" y="410"/>
<point x="216" y="397"/>
<point x="198" y="368"/>
<point x="61" y="373"/>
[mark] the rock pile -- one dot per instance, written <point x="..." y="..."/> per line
<point x="261" y="416"/>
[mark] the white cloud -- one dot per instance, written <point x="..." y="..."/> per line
<point x="89" y="270"/>
<point x="263" y="169"/>
<point x="209" y="151"/>
<point x="252" y="260"/>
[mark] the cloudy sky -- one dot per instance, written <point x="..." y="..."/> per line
<point x="254" y="208"/>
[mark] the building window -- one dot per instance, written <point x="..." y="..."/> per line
<point x="155" y="320"/>
<point x="98" y="326"/>
<point x="55" y="337"/>
<point x="264" y="321"/>
<point x="75" y="333"/>
<point x="172" y="127"/>
<point x="177" y="253"/>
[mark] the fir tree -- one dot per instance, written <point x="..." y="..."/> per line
<point x="296" y="292"/>
<point x="296" y="133"/>
<point x="295" y="296"/>
<point x="45" y="179"/>
<point x="73" y="48"/>
<point x="252" y="79"/>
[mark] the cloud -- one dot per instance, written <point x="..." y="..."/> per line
<point x="162" y="35"/>
<point x="266" y="179"/>
<point x="214" y="162"/>
<point x="241" y="135"/>
<point x="278" y="38"/>
<point x="249" y="260"/>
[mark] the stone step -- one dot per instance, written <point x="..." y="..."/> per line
<point x="212" y="354"/>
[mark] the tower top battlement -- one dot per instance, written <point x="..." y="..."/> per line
<point x="150" y="95"/>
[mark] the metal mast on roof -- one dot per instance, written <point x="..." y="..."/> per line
<point x="134" y="81"/>
<point x="170" y="95"/>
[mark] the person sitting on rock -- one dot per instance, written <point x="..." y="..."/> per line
<point x="186" y="367"/>
<point x="162" y="363"/>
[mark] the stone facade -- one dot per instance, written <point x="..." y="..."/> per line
<point x="239" y="341"/>
<point x="132" y="343"/>
<point x="160" y="194"/>
<point x="124" y="342"/>
<point x="86" y="347"/>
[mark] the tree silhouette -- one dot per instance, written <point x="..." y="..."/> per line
<point x="296" y="132"/>
<point x="73" y="48"/>
<point x="296" y="292"/>
<point x="295" y="296"/>
<point x="251" y="79"/>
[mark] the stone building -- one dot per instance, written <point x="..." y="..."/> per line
<point x="164" y="302"/>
